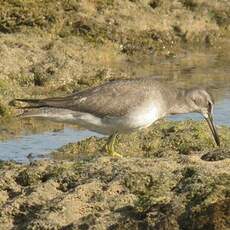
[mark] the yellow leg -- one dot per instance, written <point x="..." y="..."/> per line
<point x="110" y="146"/>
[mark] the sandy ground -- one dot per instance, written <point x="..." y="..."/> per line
<point x="171" y="177"/>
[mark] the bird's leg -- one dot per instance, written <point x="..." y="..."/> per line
<point x="110" y="145"/>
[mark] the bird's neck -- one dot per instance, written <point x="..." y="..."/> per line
<point x="180" y="104"/>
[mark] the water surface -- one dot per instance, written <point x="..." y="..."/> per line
<point x="34" y="146"/>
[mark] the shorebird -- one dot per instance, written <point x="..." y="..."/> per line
<point x="123" y="106"/>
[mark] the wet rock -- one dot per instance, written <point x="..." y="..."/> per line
<point x="212" y="216"/>
<point x="163" y="140"/>
<point x="113" y="193"/>
<point x="216" y="155"/>
<point x="28" y="177"/>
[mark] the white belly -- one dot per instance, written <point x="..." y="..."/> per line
<point x="144" y="116"/>
<point x="139" y="118"/>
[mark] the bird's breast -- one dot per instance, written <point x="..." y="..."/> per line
<point x="143" y="116"/>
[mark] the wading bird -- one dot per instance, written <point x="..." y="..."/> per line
<point x="123" y="106"/>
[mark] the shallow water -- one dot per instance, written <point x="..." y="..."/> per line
<point x="208" y="69"/>
<point x="30" y="147"/>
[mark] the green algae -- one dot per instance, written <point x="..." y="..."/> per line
<point x="73" y="151"/>
<point x="164" y="140"/>
<point x="176" y="190"/>
<point x="4" y="110"/>
<point x="28" y="177"/>
<point x="216" y="155"/>
<point x="123" y="193"/>
<point x="18" y="14"/>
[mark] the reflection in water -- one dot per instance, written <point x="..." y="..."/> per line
<point x="207" y="69"/>
<point x="39" y="145"/>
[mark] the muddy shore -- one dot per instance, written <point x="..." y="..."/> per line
<point x="171" y="176"/>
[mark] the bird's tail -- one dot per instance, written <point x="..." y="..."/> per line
<point x="56" y="102"/>
<point x="32" y="103"/>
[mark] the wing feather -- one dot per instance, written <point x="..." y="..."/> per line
<point x="112" y="99"/>
<point x="115" y="98"/>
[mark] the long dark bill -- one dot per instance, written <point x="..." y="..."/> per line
<point x="213" y="129"/>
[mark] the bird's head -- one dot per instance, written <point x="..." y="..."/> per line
<point x="202" y="102"/>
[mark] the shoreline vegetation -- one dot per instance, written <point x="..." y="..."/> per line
<point x="172" y="176"/>
<point x="56" y="47"/>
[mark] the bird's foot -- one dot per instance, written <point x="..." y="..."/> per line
<point x="115" y="154"/>
<point x="112" y="152"/>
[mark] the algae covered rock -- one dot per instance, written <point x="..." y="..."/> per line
<point x="163" y="140"/>
<point x="149" y="189"/>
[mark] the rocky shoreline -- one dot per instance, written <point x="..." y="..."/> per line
<point x="171" y="176"/>
<point x="159" y="184"/>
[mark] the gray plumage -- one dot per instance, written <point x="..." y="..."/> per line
<point x="124" y="105"/>
<point x="114" y="98"/>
